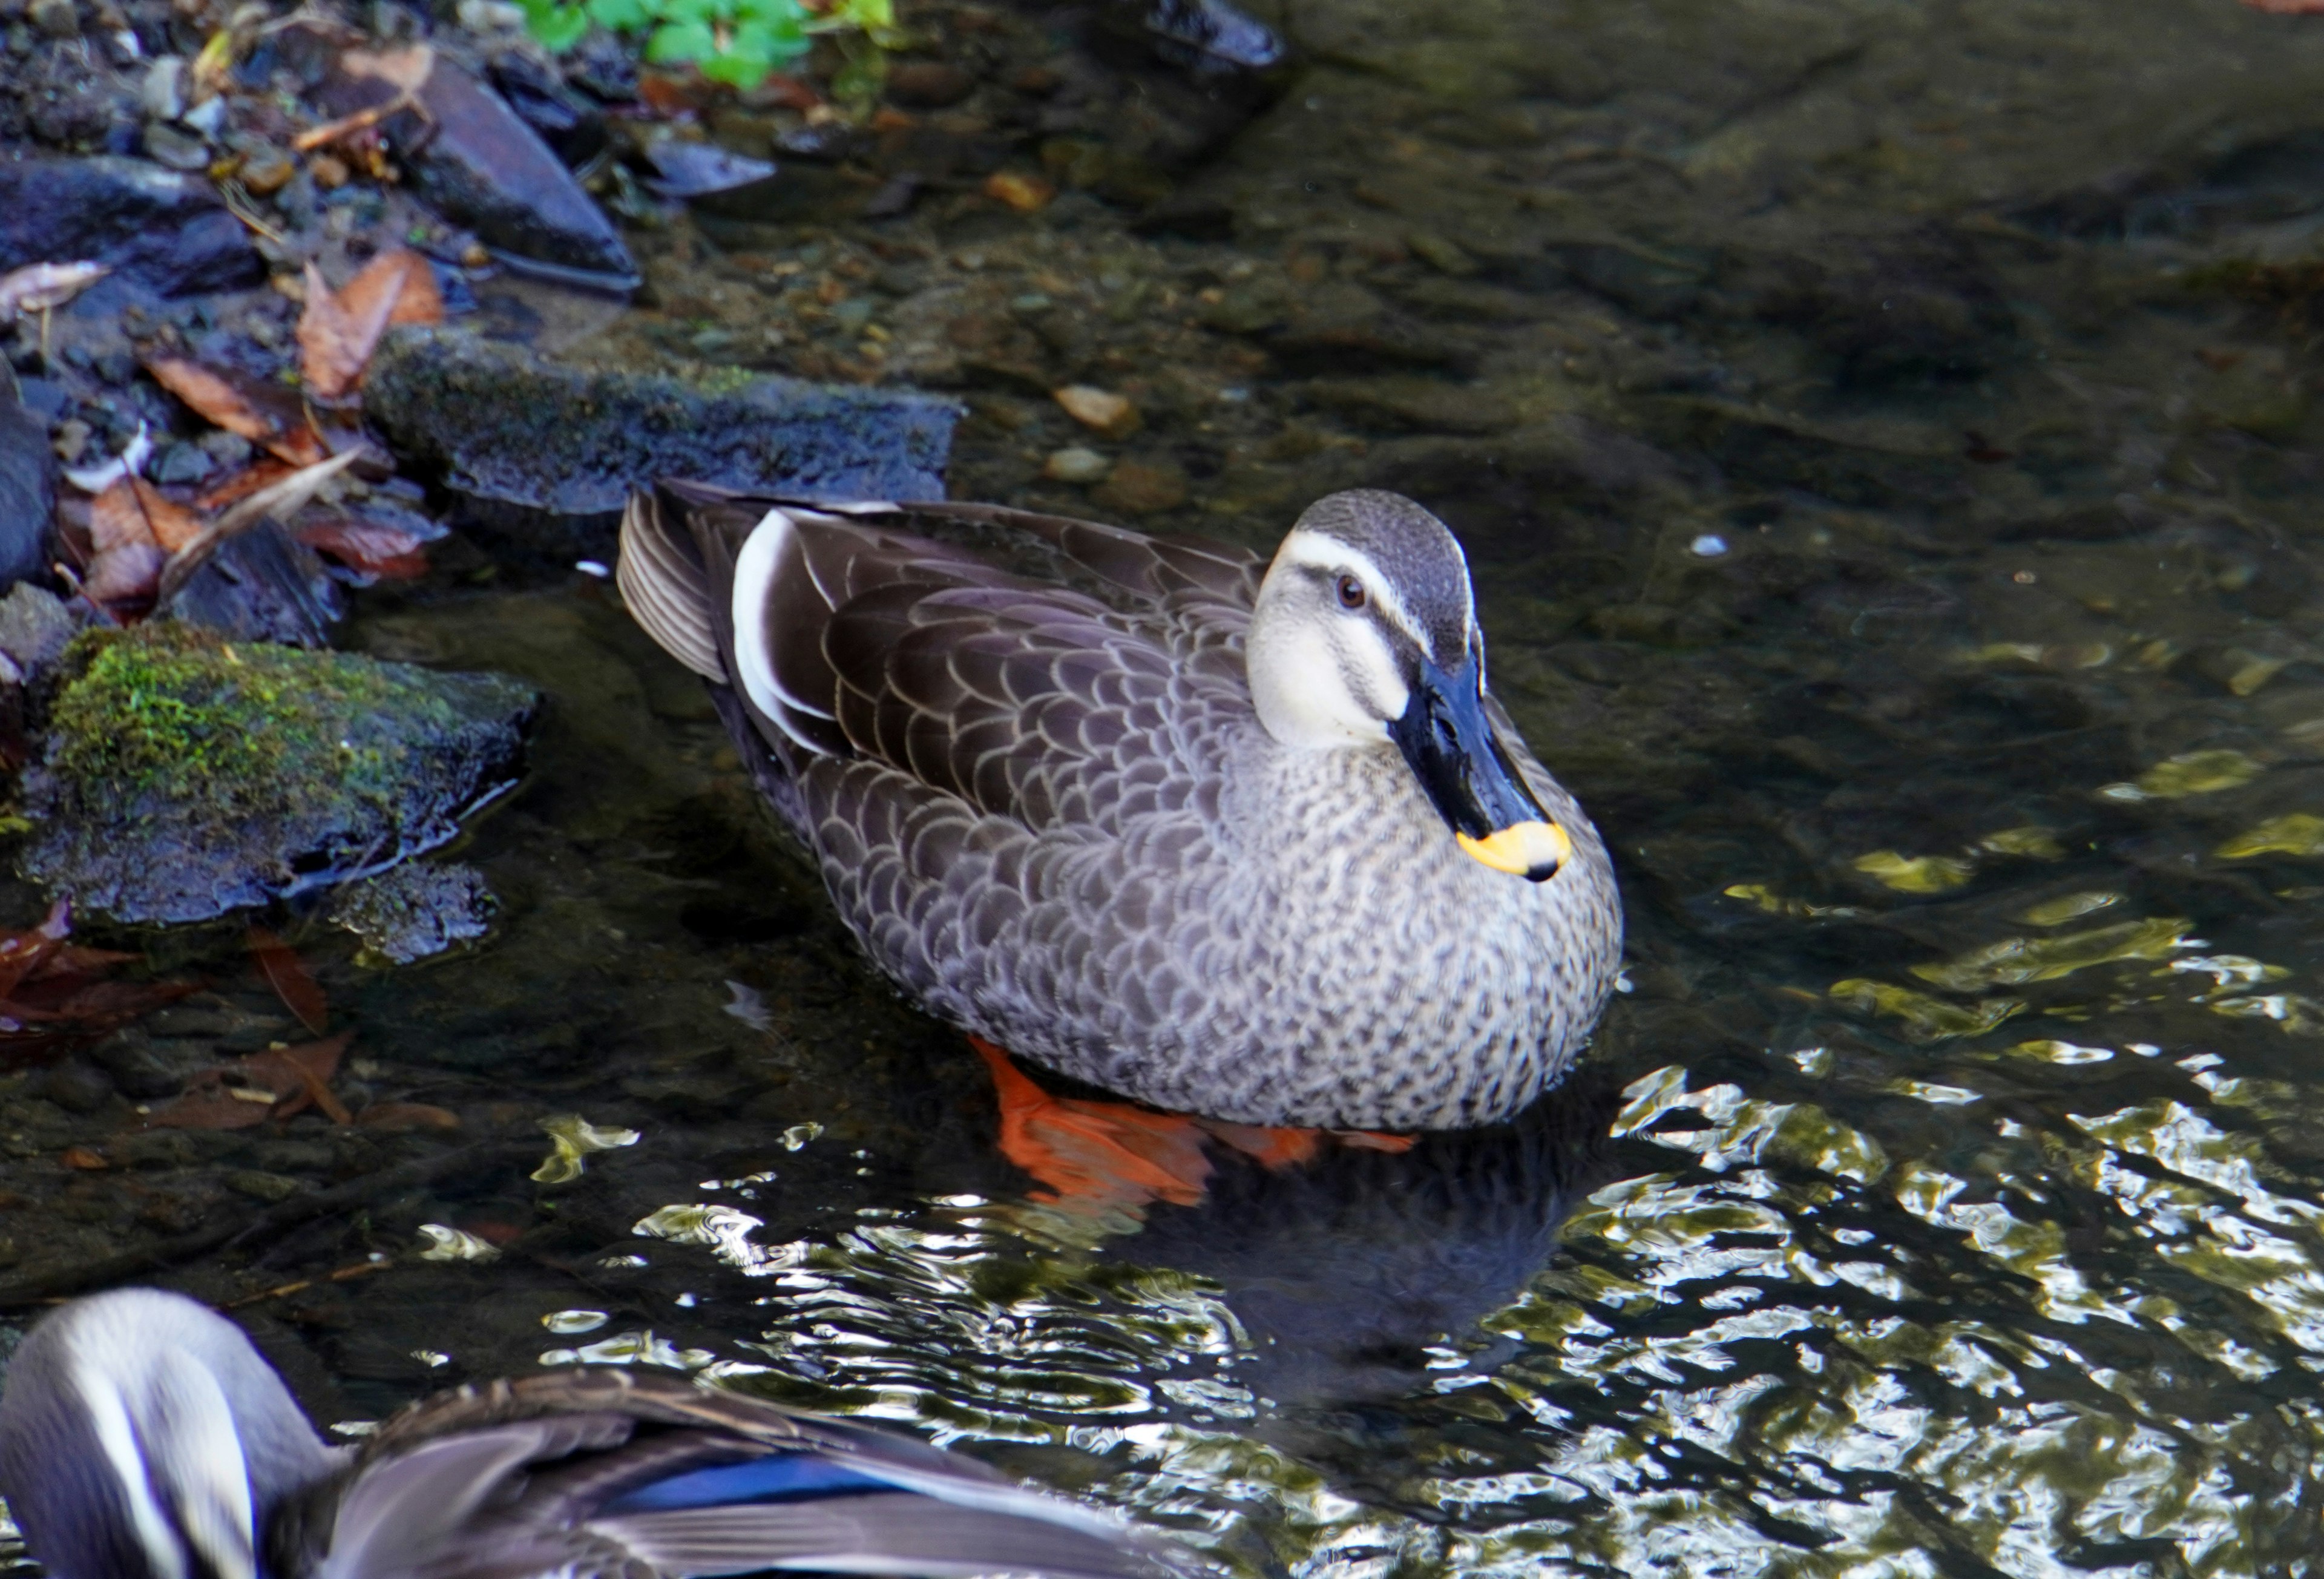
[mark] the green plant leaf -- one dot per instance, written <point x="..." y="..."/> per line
<point x="561" y="27"/>
<point x="871" y="17"/>
<point x="740" y="72"/>
<point x="681" y="41"/>
<point x="622" y="15"/>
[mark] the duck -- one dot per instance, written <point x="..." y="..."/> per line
<point x="143" y="1436"/>
<point x="1248" y="839"/>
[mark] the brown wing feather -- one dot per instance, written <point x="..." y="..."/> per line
<point x="1015" y="696"/>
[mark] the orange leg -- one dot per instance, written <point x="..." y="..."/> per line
<point x="1094" y="1154"/>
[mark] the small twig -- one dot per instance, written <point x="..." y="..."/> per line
<point x="238" y="204"/>
<point x="283" y="1290"/>
<point x="285" y="498"/>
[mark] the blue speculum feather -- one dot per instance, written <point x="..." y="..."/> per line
<point x="777" y="1478"/>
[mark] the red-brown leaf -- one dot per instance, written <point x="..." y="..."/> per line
<point x="301" y="1076"/>
<point x="368" y="546"/>
<point x="24" y="953"/>
<point x="288" y="976"/>
<point x="125" y="574"/>
<point x="404" y="278"/>
<point x="399" y="1117"/>
<point x="251" y="479"/>
<point x="264" y="413"/>
<point x="210" y="1109"/>
<point x="85" y="1159"/>
<point x="339" y="330"/>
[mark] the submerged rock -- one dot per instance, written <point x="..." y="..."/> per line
<point x="415" y="911"/>
<point x="185" y="776"/>
<point x="502" y="425"/>
<point x="166" y="230"/>
<point x="476" y="162"/>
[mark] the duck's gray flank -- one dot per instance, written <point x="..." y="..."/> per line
<point x="1147" y="823"/>
<point x="142" y="1436"/>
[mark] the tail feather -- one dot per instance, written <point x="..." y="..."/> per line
<point x="666" y="587"/>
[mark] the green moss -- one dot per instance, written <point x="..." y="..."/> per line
<point x="168" y="714"/>
<point x="186" y="775"/>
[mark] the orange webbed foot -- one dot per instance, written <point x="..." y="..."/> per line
<point x="1094" y="1154"/>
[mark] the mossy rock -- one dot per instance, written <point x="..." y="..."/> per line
<point x="186" y="776"/>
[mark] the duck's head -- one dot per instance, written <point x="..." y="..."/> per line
<point x="1366" y="635"/>
<point x="142" y="1436"/>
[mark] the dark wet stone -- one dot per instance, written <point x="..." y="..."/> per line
<point x="929" y="84"/>
<point x="165" y="230"/>
<point x="175" y="147"/>
<point x="1650" y="284"/>
<point x="476" y="163"/>
<point x="262" y="586"/>
<point x="183" y="779"/>
<point x="182" y="462"/>
<point x="502" y="425"/>
<point x="34" y="626"/>
<point x="74" y="1086"/>
<point x="1208" y="38"/>
<point x="270" y="1187"/>
<point x="136" y="1069"/>
<point x="571" y="123"/>
<point x="27" y="486"/>
<point x="702" y="169"/>
<point x="415" y="911"/>
<point x="1918" y="303"/>
<point x="827" y="143"/>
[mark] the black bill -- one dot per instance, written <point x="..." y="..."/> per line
<point x="1460" y="761"/>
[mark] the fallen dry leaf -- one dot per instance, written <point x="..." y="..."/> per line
<point x="211" y="1108"/>
<point x="125" y="574"/>
<point x="265" y="413"/>
<point x="301" y="1076"/>
<point x="371" y="547"/>
<point x="134" y="511"/>
<point x="51" y="995"/>
<point x="403" y="276"/>
<point x="85" y="1159"/>
<point x="290" y="980"/>
<point x="240" y="485"/>
<point x="334" y="347"/>
<point x="339" y="330"/>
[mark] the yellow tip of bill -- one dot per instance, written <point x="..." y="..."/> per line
<point x="1534" y="850"/>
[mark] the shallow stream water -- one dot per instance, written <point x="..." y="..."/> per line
<point x="1886" y="435"/>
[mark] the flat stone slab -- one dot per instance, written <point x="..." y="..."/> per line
<point x="501" y="424"/>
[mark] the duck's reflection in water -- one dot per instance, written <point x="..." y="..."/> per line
<point x="1347" y="1269"/>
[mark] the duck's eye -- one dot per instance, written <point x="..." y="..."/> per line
<point x="1351" y="592"/>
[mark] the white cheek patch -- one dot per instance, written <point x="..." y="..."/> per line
<point x="1368" y="671"/>
<point x="1324" y="681"/>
